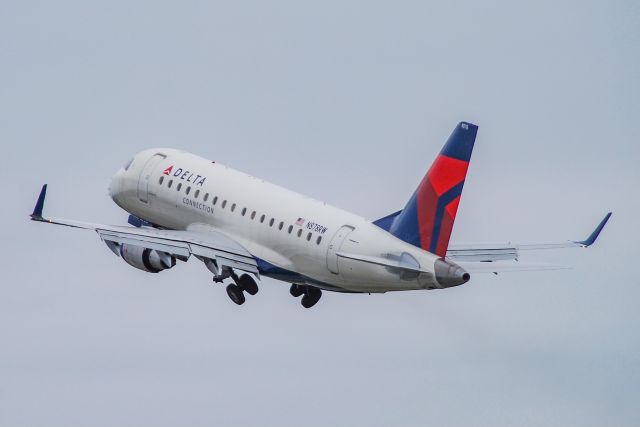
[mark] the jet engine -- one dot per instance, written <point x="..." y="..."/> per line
<point x="146" y="259"/>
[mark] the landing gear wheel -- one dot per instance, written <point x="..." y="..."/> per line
<point x="311" y="296"/>
<point x="236" y="294"/>
<point x="246" y="283"/>
<point x="296" y="290"/>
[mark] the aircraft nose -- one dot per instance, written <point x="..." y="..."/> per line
<point x="115" y="186"/>
<point x="449" y="274"/>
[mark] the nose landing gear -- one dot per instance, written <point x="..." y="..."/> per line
<point x="310" y="295"/>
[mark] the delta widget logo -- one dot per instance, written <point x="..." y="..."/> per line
<point x="185" y="175"/>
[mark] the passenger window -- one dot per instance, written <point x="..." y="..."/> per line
<point x="161" y="179"/>
<point x="188" y="190"/>
<point x="253" y="214"/>
<point x="319" y="240"/>
<point x="300" y="232"/>
<point x="261" y="219"/>
<point x="224" y="203"/>
<point x="170" y="183"/>
<point x="233" y="207"/>
<point x="197" y="194"/>
<point x="244" y="211"/>
<point x="179" y="186"/>
<point x="215" y="200"/>
<point x="308" y="236"/>
<point x="281" y="225"/>
<point x="271" y="222"/>
<point x="290" y="229"/>
<point x="206" y="197"/>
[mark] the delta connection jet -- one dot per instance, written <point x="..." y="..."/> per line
<point x="242" y="228"/>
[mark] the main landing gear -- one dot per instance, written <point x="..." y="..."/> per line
<point x="310" y="295"/>
<point x="244" y="283"/>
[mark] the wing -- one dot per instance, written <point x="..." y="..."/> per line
<point x="214" y="248"/>
<point x="474" y="253"/>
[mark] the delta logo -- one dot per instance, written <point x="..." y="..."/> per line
<point x="185" y="175"/>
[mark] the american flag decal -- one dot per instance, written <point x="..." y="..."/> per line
<point x="300" y="222"/>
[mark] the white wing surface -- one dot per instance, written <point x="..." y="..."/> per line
<point x="492" y="252"/>
<point x="208" y="246"/>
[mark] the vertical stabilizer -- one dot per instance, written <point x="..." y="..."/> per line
<point x="427" y="219"/>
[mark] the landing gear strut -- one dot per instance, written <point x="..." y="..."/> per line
<point x="243" y="283"/>
<point x="310" y="295"/>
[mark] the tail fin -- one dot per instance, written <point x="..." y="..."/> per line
<point x="427" y="219"/>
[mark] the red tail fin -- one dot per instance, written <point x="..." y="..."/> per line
<point x="427" y="219"/>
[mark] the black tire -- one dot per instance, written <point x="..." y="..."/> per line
<point x="247" y="283"/>
<point x="235" y="294"/>
<point x="311" y="297"/>
<point x="296" y="290"/>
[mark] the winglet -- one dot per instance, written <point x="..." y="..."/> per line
<point x="37" y="211"/>
<point x="592" y="238"/>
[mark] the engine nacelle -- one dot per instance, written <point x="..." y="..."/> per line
<point x="146" y="259"/>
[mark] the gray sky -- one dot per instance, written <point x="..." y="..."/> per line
<point x="348" y="102"/>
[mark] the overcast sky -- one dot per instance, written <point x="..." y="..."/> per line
<point x="348" y="102"/>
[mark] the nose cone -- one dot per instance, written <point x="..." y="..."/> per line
<point x="449" y="274"/>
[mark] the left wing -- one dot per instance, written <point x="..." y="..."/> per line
<point x="214" y="248"/>
<point x="511" y="251"/>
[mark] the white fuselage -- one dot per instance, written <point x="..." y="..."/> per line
<point x="296" y="238"/>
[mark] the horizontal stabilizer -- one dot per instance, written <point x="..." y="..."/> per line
<point x="508" y="267"/>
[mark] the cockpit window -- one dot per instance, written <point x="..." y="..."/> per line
<point x="126" y="165"/>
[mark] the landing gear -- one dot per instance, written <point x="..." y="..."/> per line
<point x="236" y="294"/>
<point x="310" y="295"/>
<point x="296" y="290"/>
<point x="243" y="283"/>
<point x="246" y="283"/>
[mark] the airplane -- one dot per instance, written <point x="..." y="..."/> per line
<point x="243" y="228"/>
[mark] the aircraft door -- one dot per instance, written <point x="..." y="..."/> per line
<point x="145" y="176"/>
<point x="334" y="247"/>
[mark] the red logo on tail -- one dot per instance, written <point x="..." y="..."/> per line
<point x="167" y="171"/>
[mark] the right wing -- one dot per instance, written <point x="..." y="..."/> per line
<point x="214" y="248"/>
<point x="487" y="253"/>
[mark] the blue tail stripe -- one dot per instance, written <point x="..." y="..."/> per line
<point x="405" y="226"/>
<point x="443" y="201"/>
